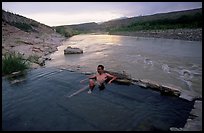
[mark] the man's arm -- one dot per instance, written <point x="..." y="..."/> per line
<point x="90" y="77"/>
<point x="111" y="76"/>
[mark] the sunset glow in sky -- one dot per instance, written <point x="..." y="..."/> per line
<point x="66" y="13"/>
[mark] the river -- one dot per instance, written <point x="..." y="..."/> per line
<point x="166" y="61"/>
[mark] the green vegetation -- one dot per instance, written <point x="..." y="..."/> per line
<point x="12" y="62"/>
<point x="62" y="31"/>
<point x="67" y="33"/>
<point x="184" y="21"/>
<point x="23" y="26"/>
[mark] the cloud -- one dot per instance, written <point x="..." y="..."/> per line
<point x="55" y="19"/>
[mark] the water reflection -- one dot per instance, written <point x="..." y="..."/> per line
<point x="17" y="77"/>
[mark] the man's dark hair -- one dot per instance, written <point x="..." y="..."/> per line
<point x="102" y="67"/>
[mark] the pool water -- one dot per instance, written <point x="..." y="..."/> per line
<point x="41" y="103"/>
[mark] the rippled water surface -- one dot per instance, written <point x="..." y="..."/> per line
<point x="40" y="103"/>
<point x="166" y="61"/>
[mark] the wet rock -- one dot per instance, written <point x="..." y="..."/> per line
<point x="70" y="50"/>
<point x="163" y="89"/>
<point x="16" y="74"/>
<point x="123" y="81"/>
<point x="17" y="81"/>
<point x="176" y="129"/>
<point x="152" y="84"/>
<point x="142" y="85"/>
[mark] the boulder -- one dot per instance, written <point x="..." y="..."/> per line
<point x="70" y="50"/>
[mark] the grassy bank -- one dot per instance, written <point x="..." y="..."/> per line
<point x="12" y="62"/>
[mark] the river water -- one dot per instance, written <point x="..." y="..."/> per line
<point x="166" y="61"/>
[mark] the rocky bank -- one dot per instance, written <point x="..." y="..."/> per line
<point x="33" y="45"/>
<point x="179" y="34"/>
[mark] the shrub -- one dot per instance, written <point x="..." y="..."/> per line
<point x="23" y="26"/>
<point x="62" y="31"/>
<point x="12" y="62"/>
<point x="68" y="32"/>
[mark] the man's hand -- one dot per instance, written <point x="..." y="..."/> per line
<point x="109" y="82"/>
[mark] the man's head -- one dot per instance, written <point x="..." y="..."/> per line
<point x="100" y="69"/>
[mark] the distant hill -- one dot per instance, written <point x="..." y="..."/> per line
<point x="25" y="24"/>
<point x="176" y="19"/>
<point x="85" y="26"/>
<point x="121" y="18"/>
<point x="70" y="30"/>
<point x="160" y="16"/>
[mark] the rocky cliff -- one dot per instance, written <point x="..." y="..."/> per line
<point x="32" y="39"/>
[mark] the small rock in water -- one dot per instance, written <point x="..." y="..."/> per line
<point x="70" y="50"/>
<point x="15" y="74"/>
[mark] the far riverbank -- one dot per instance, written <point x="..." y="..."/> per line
<point x="179" y="34"/>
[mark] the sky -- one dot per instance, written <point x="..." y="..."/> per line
<point x="67" y="13"/>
